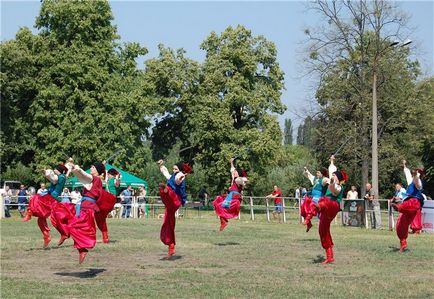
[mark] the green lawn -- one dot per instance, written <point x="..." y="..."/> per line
<point x="247" y="260"/>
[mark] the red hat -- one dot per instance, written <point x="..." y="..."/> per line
<point x="113" y="172"/>
<point x="341" y="175"/>
<point x="100" y="168"/>
<point x="62" y="168"/>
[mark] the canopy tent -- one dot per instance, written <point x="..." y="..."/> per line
<point x="126" y="179"/>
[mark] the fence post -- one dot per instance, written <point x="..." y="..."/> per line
<point x="268" y="211"/>
<point x="2" y="207"/>
<point x="284" y="210"/>
<point x="252" y="214"/>
<point x="342" y="211"/>
<point x="366" y="215"/>
<point x="299" y="211"/>
<point x="390" y="214"/>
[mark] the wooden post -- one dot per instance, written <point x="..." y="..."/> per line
<point x="283" y="210"/>
<point x="268" y="211"/>
<point x="252" y="213"/>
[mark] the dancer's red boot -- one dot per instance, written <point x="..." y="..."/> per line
<point x="223" y="223"/>
<point x="61" y="240"/>
<point x="105" y="237"/>
<point x="28" y="216"/>
<point x="83" y="253"/>
<point x="47" y="238"/>
<point x="329" y="256"/>
<point x="171" y="250"/>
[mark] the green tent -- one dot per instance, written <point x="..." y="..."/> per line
<point x="126" y="179"/>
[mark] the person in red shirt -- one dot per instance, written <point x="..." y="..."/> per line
<point x="276" y="194"/>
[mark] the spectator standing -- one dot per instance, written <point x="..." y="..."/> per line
<point x="75" y="196"/>
<point x="42" y="190"/>
<point x="203" y="196"/>
<point x="126" y="200"/>
<point x="143" y="208"/>
<point x="303" y="192"/>
<point x="374" y="207"/>
<point x="276" y="194"/>
<point x="351" y="195"/>
<point x="22" y="200"/>
<point x="297" y="194"/>
<point x="66" y="195"/>
<point x="7" y="195"/>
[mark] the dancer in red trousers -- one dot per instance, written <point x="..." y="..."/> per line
<point x="80" y="218"/>
<point x="106" y="202"/>
<point x="319" y="184"/>
<point x="410" y="206"/>
<point x="173" y="196"/>
<point x="329" y="206"/>
<point x="228" y="206"/>
<point x="41" y="205"/>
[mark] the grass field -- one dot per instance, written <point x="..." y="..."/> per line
<point x="247" y="260"/>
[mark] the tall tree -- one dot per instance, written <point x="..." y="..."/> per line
<point x="343" y="54"/>
<point x="83" y="98"/>
<point x="172" y="82"/>
<point x="300" y="134"/>
<point x="287" y="133"/>
<point x="240" y="86"/>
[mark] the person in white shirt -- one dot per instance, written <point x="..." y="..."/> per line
<point x="75" y="196"/>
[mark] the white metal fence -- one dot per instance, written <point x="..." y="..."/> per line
<point x="255" y="207"/>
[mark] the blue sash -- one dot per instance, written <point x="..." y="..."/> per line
<point x="228" y="199"/>
<point x="78" y="204"/>
<point x="316" y="194"/>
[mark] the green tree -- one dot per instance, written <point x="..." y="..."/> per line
<point x="287" y="133"/>
<point x="172" y="82"/>
<point x="344" y="53"/>
<point x="79" y="92"/>
<point x="240" y="86"/>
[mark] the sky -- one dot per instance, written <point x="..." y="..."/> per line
<point x="182" y="24"/>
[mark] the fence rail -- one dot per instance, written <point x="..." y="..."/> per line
<point x="354" y="212"/>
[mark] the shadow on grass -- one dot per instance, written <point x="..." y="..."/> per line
<point x="42" y="248"/>
<point x="319" y="259"/>
<point x="171" y="258"/>
<point x="91" y="273"/>
<point x="110" y="242"/>
<point x="309" y="240"/>
<point x="397" y="249"/>
<point x="227" y="244"/>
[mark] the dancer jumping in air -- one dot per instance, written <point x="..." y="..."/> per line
<point x="41" y="205"/>
<point x="329" y="206"/>
<point x="173" y="194"/>
<point x="319" y="184"/>
<point x="411" y="205"/>
<point x="228" y="206"/>
<point x="80" y="218"/>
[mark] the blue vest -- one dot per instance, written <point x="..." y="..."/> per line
<point x="179" y="189"/>
<point x="412" y="191"/>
